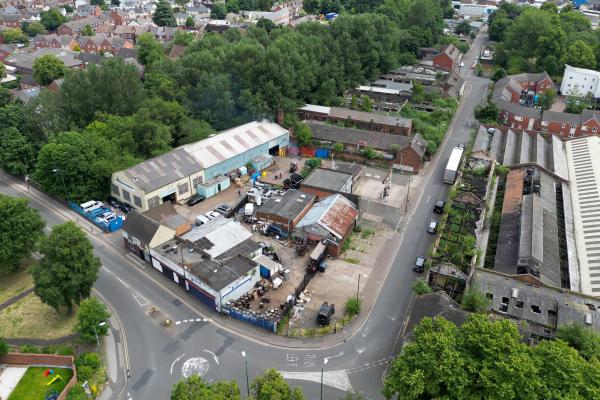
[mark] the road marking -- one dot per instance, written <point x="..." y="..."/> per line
<point x="198" y="319"/>
<point x="174" y="362"/>
<point x="428" y="198"/>
<point x="337" y="379"/>
<point x="214" y="356"/>
<point x="341" y="353"/>
<point x="177" y="322"/>
<point x="141" y="300"/>
<point x="122" y="282"/>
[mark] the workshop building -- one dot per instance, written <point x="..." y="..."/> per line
<point x="323" y="182"/>
<point x="287" y="210"/>
<point x="202" y="167"/>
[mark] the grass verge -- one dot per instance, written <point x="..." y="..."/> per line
<point x="13" y="284"/>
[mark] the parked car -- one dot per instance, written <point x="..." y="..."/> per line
<point x="419" y="264"/>
<point x="223" y="209"/>
<point x="125" y="208"/>
<point x="432" y="227"/>
<point x="201" y="220"/>
<point x="195" y="199"/>
<point x="325" y="313"/>
<point x="438" y="208"/>
<point x="215" y="214"/>
<point x="119" y="205"/>
<point x="113" y="202"/>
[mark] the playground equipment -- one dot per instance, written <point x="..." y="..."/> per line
<point x="56" y="378"/>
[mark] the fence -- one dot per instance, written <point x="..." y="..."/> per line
<point x="246" y="316"/>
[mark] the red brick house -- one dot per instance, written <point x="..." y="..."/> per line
<point x="101" y="43"/>
<point x="571" y="125"/>
<point x="6" y="50"/>
<point x="357" y="119"/>
<point x="448" y="58"/>
<point x="74" y="27"/>
<point x="10" y="20"/>
<point x="54" y="41"/>
<point x="119" y="17"/>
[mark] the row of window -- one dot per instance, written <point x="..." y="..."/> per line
<point x="125" y="195"/>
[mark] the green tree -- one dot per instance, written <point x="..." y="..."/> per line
<point x="189" y="22"/>
<point x="583" y="339"/>
<point x="68" y="8"/>
<point x="183" y="38"/>
<point x="219" y="11"/>
<point x="20" y="229"/>
<point x="547" y="98"/>
<point x="90" y="315"/>
<point x="195" y="387"/>
<point x="271" y="385"/>
<point x="17" y="155"/>
<point x="498" y="28"/>
<point x="52" y="19"/>
<point x="499" y="73"/>
<point x="303" y="134"/>
<point x="463" y="28"/>
<point x="232" y="6"/>
<point x="2" y="75"/>
<point x="338" y="147"/>
<point x="420" y="287"/>
<point x="581" y="55"/>
<point x="33" y="28"/>
<point x="366" y="104"/>
<point x="149" y="49"/>
<point x="77" y="392"/>
<point x="488" y="112"/>
<point x="48" y="68"/>
<point x="474" y="301"/>
<point x="87" y="31"/>
<point x="163" y="14"/>
<point x="14" y="35"/>
<point x="97" y="2"/>
<point x="67" y="272"/>
<point x="3" y="347"/>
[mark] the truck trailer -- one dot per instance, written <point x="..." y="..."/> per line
<point x="453" y="164"/>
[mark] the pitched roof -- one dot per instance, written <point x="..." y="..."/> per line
<point x="335" y="213"/>
<point x="140" y="226"/>
<point x="79" y="24"/>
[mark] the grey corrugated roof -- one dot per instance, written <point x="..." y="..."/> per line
<point x="326" y="178"/>
<point x="563" y="117"/>
<point x="288" y="206"/>
<point x="334" y="133"/>
<point x="345" y="113"/>
<point x="218" y="275"/>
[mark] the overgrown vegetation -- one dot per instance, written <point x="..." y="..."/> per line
<point x="494" y="229"/>
<point x="420" y="287"/>
<point x="353" y="305"/>
<point x="474" y="301"/>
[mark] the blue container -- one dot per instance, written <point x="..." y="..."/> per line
<point x="322" y="153"/>
<point x="92" y="216"/>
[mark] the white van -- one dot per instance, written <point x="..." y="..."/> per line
<point x="201" y="220"/>
<point x="91" y="205"/>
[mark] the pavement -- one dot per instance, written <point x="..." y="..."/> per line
<point x="215" y="347"/>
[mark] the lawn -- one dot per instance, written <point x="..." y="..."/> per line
<point x="13" y="284"/>
<point x="33" y="385"/>
<point x="32" y="319"/>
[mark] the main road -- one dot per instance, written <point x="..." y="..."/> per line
<point x="195" y="343"/>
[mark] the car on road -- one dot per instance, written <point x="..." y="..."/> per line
<point x="438" y="208"/>
<point x="419" y="264"/>
<point x="432" y="227"/>
<point x="195" y="199"/>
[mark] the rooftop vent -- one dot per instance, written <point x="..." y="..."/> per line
<point x="515" y="293"/>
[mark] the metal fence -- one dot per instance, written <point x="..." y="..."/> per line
<point x="268" y="324"/>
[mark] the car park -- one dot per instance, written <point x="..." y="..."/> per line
<point x="419" y="264"/>
<point x="432" y="227"/>
<point x="223" y="209"/>
<point x="195" y="199"/>
<point x="438" y="208"/>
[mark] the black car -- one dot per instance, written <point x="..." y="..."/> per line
<point x="125" y="207"/>
<point x="195" y="199"/>
<point x="419" y="264"/>
<point x="223" y="209"/>
<point x="114" y="203"/>
<point x="439" y="207"/>
<point x="325" y="313"/>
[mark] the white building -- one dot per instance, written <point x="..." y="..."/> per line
<point x="580" y="82"/>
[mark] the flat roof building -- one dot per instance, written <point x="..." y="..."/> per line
<point x="322" y="182"/>
<point x="286" y="210"/>
<point x="201" y="166"/>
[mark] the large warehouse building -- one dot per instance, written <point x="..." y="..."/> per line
<point x="200" y="167"/>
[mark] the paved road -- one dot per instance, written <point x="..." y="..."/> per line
<point x="159" y="357"/>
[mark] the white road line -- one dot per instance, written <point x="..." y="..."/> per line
<point x="185" y="320"/>
<point x="214" y="356"/>
<point x="122" y="282"/>
<point x="141" y="300"/>
<point x="428" y="198"/>
<point x="177" y="322"/>
<point x="198" y="319"/>
<point x="173" y="363"/>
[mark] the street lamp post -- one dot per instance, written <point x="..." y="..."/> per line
<point x="55" y="170"/>
<point x="99" y="349"/>
<point x="322" y="368"/>
<point x="358" y="287"/>
<point x="247" y="381"/>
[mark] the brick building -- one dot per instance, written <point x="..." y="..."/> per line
<point x="323" y="182"/>
<point x="448" y="58"/>
<point x="76" y="26"/>
<point x="358" y="119"/>
<point x="10" y="20"/>
<point x="287" y="210"/>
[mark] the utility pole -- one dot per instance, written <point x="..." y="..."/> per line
<point x="407" y="197"/>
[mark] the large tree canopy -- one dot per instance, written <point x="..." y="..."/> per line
<point x="486" y="359"/>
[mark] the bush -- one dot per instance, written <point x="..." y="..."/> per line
<point x="76" y="393"/>
<point x="3" y="347"/>
<point x="65" y="351"/>
<point x="90" y="315"/>
<point x="29" y="348"/>
<point x="84" y="373"/>
<point x="91" y="360"/>
<point x="353" y="306"/>
<point x="48" y="350"/>
<point x="474" y="301"/>
<point x="420" y="287"/>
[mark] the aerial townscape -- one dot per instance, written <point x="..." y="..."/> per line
<point x="299" y="199"/>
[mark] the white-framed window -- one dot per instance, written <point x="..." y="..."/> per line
<point x="126" y="196"/>
<point x="571" y="134"/>
<point x="183" y="188"/>
<point x="153" y="202"/>
<point x="137" y="201"/>
<point x="115" y="189"/>
<point x="563" y="126"/>
<point x="544" y="123"/>
<point x="518" y="118"/>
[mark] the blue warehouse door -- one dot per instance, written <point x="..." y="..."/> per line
<point x="200" y="294"/>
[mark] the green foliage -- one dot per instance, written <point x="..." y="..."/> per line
<point x="67" y="272"/>
<point x="338" y="147"/>
<point x="52" y="19"/>
<point x="576" y="105"/>
<point x="487" y="113"/>
<point x="17" y="155"/>
<point x="420" y="287"/>
<point x="366" y="104"/>
<point x="65" y="351"/>
<point x="33" y="28"/>
<point x="463" y="28"/>
<point x="20" y="228"/>
<point x="87" y="31"/>
<point x="353" y="306"/>
<point x="583" y="339"/>
<point x="232" y="6"/>
<point x="149" y="49"/>
<point x="91" y="360"/>
<point x="163" y="14"/>
<point x="547" y="98"/>
<point x="271" y="385"/>
<point x="473" y="300"/>
<point x="3" y="347"/>
<point x="499" y="73"/>
<point x="69" y="8"/>
<point x="84" y="373"/>
<point x="219" y="11"/>
<point x="352" y="395"/>
<point x="189" y="22"/>
<point x="370" y="153"/>
<point x="29" y="348"/>
<point x="76" y="393"/>
<point x="303" y="134"/>
<point x="501" y="170"/>
<point x="580" y="54"/>
<point x="486" y="359"/>
<point x="14" y="35"/>
<point x="195" y="387"/>
<point x="48" y="68"/>
<point x="90" y="314"/>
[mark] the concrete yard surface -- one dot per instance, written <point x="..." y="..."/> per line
<point x="9" y="379"/>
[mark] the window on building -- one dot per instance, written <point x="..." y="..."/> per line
<point x="137" y="201"/>
<point x="571" y="134"/>
<point x="115" y="189"/>
<point x="519" y="304"/>
<point x="584" y="128"/>
<point x="153" y="202"/>
<point x="536" y="309"/>
<point x="196" y="182"/>
<point x="126" y="196"/>
<point x="594" y="129"/>
<point x="183" y="188"/>
<point x="563" y="125"/>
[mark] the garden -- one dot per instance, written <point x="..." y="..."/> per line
<point x="41" y="383"/>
